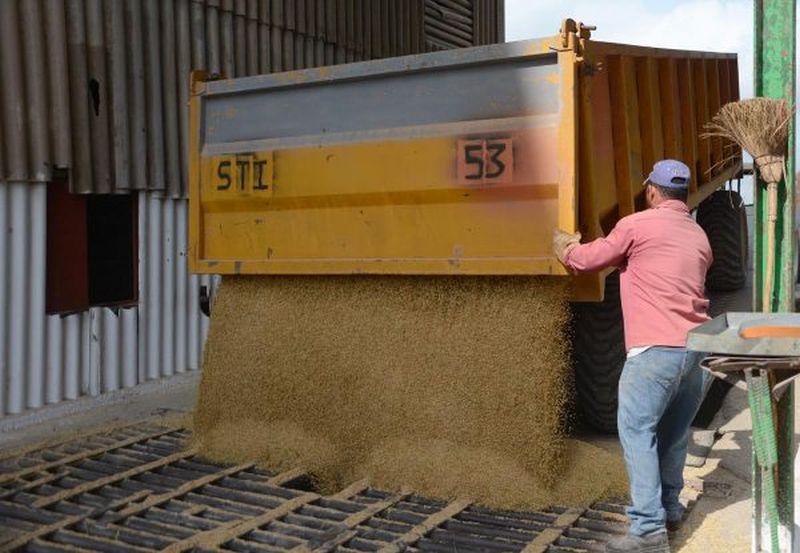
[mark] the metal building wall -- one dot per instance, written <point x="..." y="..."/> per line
<point x="100" y="87"/>
<point x="462" y="23"/>
<point x="94" y="87"/>
<point x="46" y="359"/>
<point x="172" y="328"/>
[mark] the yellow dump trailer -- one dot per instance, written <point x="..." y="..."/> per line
<point x="457" y="162"/>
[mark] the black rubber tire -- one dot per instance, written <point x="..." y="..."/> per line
<point x="722" y="215"/>
<point x="598" y="354"/>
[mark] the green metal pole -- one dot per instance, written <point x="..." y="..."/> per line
<point x="774" y="54"/>
<point x="775" y="78"/>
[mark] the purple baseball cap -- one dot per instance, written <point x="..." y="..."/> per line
<point x="670" y="173"/>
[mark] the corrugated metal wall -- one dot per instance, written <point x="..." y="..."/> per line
<point x="462" y="23"/>
<point x="100" y="88"/>
<point x="172" y="327"/>
<point x="49" y="358"/>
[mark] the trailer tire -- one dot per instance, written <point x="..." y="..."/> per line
<point x="598" y="355"/>
<point x="722" y="215"/>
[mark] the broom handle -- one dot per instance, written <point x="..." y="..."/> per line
<point x="772" y="216"/>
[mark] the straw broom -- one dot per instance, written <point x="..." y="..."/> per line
<point x="759" y="126"/>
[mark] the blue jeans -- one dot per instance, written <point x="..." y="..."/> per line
<point x="660" y="391"/>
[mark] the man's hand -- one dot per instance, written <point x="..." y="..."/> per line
<point x="563" y="242"/>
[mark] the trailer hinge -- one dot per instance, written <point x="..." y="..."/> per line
<point x="574" y="35"/>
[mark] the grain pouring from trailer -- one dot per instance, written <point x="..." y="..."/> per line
<point x="458" y="162"/>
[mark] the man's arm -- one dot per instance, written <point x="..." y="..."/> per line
<point x="602" y="253"/>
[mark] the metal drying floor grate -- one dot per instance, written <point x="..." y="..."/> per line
<point x="141" y="488"/>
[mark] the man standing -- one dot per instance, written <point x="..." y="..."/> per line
<point x="662" y="255"/>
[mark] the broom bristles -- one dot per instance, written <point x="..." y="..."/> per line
<point x="758" y="125"/>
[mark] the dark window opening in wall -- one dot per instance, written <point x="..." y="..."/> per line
<point x="111" y="229"/>
<point x="92" y="249"/>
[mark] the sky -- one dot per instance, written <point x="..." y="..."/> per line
<point x="711" y="25"/>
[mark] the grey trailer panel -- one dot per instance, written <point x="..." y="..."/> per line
<point x="329" y="105"/>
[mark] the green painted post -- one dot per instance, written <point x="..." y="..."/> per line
<point x="775" y="78"/>
<point x="774" y="54"/>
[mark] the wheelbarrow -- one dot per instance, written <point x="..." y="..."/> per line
<point x="765" y="348"/>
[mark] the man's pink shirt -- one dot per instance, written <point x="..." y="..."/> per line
<point x="663" y="256"/>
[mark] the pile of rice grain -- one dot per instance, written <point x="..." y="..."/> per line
<point x="456" y="387"/>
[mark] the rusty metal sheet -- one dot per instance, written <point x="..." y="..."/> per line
<point x="198" y="33"/>
<point x="137" y="105"/>
<point x="309" y="49"/>
<point x="240" y="43"/>
<point x="330" y="21"/>
<point x="81" y="169"/>
<point x="290" y="14"/>
<point x="320" y="17"/>
<point x="183" y="43"/>
<point x="99" y="94"/>
<point x="299" y="51"/>
<point x="264" y="48"/>
<point x="288" y="50"/>
<point x="496" y="11"/>
<point x="300" y="16"/>
<point x="55" y="31"/>
<point x="120" y="112"/>
<point x="15" y="132"/>
<point x="212" y="41"/>
<point x="153" y="95"/>
<point x="36" y="87"/>
<point x="169" y="98"/>
<point x="226" y="39"/>
<point x="319" y="52"/>
<point x="276" y="36"/>
<point x="311" y="18"/>
<point x="252" y="53"/>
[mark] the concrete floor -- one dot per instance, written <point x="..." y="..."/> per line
<point x="159" y="398"/>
